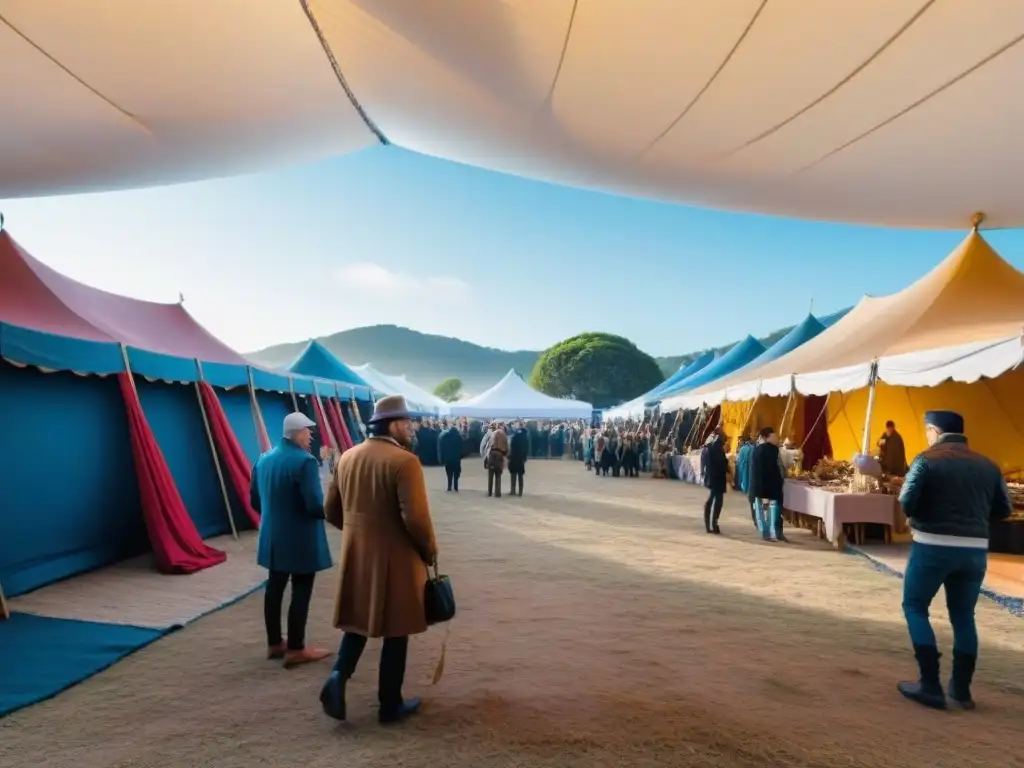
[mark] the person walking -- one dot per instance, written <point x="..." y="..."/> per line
<point x="497" y="452"/>
<point x="449" y="448"/>
<point x="286" y="489"/>
<point x="950" y="496"/>
<point x="715" y="469"/>
<point x="767" y="478"/>
<point x="378" y="498"/>
<point x="518" y="451"/>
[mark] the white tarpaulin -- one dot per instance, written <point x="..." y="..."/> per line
<point x="909" y="114"/>
<point x="399" y="385"/>
<point x="965" y="363"/>
<point x="513" y="398"/>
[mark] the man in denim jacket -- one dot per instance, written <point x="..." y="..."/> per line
<point x="950" y="495"/>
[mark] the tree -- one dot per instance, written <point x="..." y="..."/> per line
<point x="599" y="368"/>
<point x="449" y="390"/>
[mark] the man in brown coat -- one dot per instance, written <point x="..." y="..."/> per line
<point x="378" y="499"/>
<point x="497" y="452"/>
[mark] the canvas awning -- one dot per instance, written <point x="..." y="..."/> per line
<point x="513" y="398"/>
<point x="909" y="115"/>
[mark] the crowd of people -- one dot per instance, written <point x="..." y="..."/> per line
<point x="376" y="496"/>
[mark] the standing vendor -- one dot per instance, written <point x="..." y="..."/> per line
<point x="892" y="454"/>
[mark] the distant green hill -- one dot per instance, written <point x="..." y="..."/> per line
<point x="427" y="360"/>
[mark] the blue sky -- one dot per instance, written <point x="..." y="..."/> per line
<point x="387" y="236"/>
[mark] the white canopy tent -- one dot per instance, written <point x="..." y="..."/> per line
<point x="513" y="398"/>
<point x="909" y="115"/>
<point x="399" y="385"/>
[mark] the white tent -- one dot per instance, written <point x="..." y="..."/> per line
<point x="909" y="116"/>
<point x="513" y="398"/>
<point x="399" y="385"/>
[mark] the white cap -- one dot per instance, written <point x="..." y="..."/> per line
<point x="294" y="422"/>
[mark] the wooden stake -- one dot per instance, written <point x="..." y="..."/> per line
<point x="213" y="452"/>
<point x="291" y="391"/>
<point x="262" y="436"/>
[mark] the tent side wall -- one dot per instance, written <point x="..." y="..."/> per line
<point x="748" y="417"/>
<point x="993" y="412"/>
<point x="237" y="408"/>
<point x="176" y="419"/>
<point x="69" y="501"/>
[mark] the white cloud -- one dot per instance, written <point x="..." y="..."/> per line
<point x="373" y="278"/>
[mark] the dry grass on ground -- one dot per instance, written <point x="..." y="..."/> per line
<point x="599" y="626"/>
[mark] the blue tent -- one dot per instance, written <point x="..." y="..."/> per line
<point x="70" y="498"/>
<point x="808" y="328"/>
<point x="317" y="360"/>
<point x="685" y="371"/>
<point x="737" y="357"/>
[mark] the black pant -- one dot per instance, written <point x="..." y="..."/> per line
<point x="393" y="654"/>
<point x="516" y="477"/>
<point x="494" y="482"/>
<point x="453" y="472"/>
<point x="713" y="508"/>
<point x="298" y="611"/>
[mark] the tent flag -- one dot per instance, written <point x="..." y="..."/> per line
<point x="233" y="458"/>
<point x="176" y="543"/>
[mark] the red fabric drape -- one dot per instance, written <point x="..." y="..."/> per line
<point x="233" y="460"/>
<point x="322" y="423"/>
<point x="817" y="444"/>
<point x="172" y="534"/>
<point x="341" y="429"/>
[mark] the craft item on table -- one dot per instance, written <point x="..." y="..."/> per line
<point x="867" y="465"/>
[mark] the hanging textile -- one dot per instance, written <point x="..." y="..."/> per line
<point x="176" y="542"/>
<point x="233" y="458"/>
<point x="341" y="428"/>
<point x="332" y="420"/>
<point x="817" y="444"/>
<point x="355" y="424"/>
<point x="323" y="427"/>
<point x="262" y="436"/>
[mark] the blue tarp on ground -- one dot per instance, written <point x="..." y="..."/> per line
<point x="44" y="656"/>
<point x="737" y="357"/>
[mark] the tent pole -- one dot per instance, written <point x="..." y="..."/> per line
<point x="262" y="436"/>
<point x="213" y="450"/>
<point x="291" y="391"/>
<point x="865" y="441"/>
<point x="327" y="421"/>
<point x="790" y="407"/>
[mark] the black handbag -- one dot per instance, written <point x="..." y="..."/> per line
<point x="439" y="598"/>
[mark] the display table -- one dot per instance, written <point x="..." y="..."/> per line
<point x="683" y="468"/>
<point x="836" y="510"/>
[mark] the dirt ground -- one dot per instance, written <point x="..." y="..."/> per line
<point x="598" y="626"/>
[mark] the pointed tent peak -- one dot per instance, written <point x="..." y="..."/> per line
<point x="318" y="361"/>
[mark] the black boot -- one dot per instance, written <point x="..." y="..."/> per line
<point x="394" y="708"/>
<point x="332" y="694"/>
<point x="927" y="691"/>
<point x="520" y="485"/>
<point x="960" y="682"/>
<point x="707" y="520"/>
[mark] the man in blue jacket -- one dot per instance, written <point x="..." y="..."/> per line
<point x="950" y="494"/>
<point x="286" y="490"/>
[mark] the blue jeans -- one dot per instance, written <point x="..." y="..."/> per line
<point x="961" y="570"/>
<point x="769" y="521"/>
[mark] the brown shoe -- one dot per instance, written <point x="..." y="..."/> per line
<point x="276" y="652"/>
<point x="305" y="656"/>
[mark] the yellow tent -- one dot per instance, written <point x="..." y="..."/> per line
<point x="945" y="326"/>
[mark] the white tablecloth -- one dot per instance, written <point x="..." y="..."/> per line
<point x="839" y="509"/>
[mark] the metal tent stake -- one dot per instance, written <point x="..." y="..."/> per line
<point x="213" y="451"/>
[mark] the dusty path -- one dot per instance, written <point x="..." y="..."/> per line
<point x="599" y="626"/>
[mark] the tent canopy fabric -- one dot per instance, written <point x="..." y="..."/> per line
<point x="806" y="330"/>
<point x="737" y="357"/>
<point x="636" y="406"/>
<point x="425" y="402"/>
<point x="513" y="398"/>
<point x="52" y="322"/>
<point x="723" y="109"/>
<point x="318" y="360"/>
<point x="971" y="296"/>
